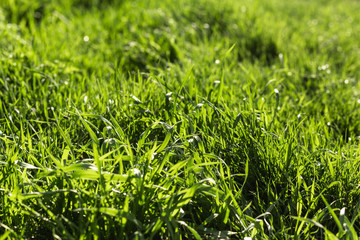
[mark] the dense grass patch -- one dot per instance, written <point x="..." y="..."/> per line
<point x="147" y="119"/>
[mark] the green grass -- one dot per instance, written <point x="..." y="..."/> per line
<point x="179" y="120"/>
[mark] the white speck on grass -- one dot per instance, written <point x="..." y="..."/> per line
<point x="115" y="190"/>
<point x="135" y="99"/>
<point x="216" y="82"/>
<point x="281" y="57"/>
<point x="199" y="105"/>
<point x="206" y="26"/>
<point x="358" y="101"/>
<point x="132" y="44"/>
<point x="276" y="91"/>
<point x="247" y="238"/>
<point x="323" y="67"/>
<point x="346" y="81"/>
<point x="109" y="142"/>
<point x="182" y="212"/>
<point x="85" y="99"/>
<point x="217" y="61"/>
<point x="328" y="123"/>
<point x="86" y="38"/>
<point x="136" y="172"/>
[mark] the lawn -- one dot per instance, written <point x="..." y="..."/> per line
<point x="179" y="119"/>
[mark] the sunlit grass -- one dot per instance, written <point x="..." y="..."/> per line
<point x="188" y="120"/>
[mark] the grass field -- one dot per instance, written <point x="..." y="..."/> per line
<point x="179" y="120"/>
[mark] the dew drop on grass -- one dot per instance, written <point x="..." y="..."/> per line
<point x="217" y="61"/>
<point x="136" y="172"/>
<point x="108" y="141"/>
<point x="281" y="58"/>
<point x="199" y="105"/>
<point x="182" y="212"/>
<point x="323" y="67"/>
<point x="86" y="38"/>
<point x="133" y="44"/>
